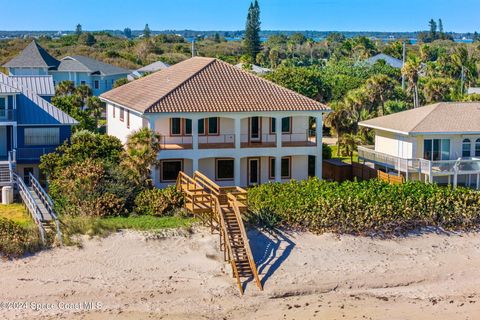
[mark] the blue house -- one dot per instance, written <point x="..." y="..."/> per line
<point x="30" y="125"/>
<point x="35" y="60"/>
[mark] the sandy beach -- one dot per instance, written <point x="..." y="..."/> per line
<point x="131" y="275"/>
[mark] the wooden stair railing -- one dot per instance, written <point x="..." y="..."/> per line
<point x="222" y="208"/>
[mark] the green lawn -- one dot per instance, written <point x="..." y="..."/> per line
<point x="344" y="159"/>
<point x="17" y="213"/>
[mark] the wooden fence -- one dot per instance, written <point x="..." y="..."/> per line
<point x="336" y="170"/>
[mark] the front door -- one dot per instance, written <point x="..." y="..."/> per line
<point x="3" y="141"/>
<point x="253" y="171"/>
<point x="26" y="175"/>
<point x="255" y="134"/>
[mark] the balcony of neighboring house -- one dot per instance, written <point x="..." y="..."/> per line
<point x="225" y="133"/>
<point x="8" y="115"/>
<point x="463" y="170"/>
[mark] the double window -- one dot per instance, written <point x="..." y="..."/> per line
<point x="169" y="170"/>
<point x="466" y="148"/>
<point x="224" y="169"/>
<point x="436" y="149"/>
<point x="286" y="168"/>
<point x="41" y="136"/>
<point x="477" y="148"/>
<point x="286" y="125"/>
<point x="181" y="126"/>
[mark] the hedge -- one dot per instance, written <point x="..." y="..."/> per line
<point x="363" y="207"/>
<point x="17" y="240"/>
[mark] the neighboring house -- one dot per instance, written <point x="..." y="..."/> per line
<point x="254" y="68"/>
<point x="35" y="60"/>
<point x="436" y="143"/>
<point x="29" y="125"/>
<point x="233" y="126"/>
<point x="151" y="68"/>
<point x="391" y="61"/>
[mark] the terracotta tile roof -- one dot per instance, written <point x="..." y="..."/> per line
<point x="208" y="85"/>
<point x="444" y="117"/>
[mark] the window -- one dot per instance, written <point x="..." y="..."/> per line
<point x="466" y="147"/>
<point x="175" y="126"/>
<point x="436" y="149"/>
<point x="213" y="126"/>
<point x="83" y="83"/>
<point x="285" y="171"/>
<point x="96" y="84"/>
<point x="311" y="166"/>
<point x="188" y="127"/>
<point x="201" y="126"/>
<point x="477" y="148"/>
<point x="286" y="125"/>
<point x="42" y="136"/>
<point x="3" y="107"/>
<point x="169" y="170"/>
<point x="224" y="169"/>
<point x="122" y="114"/>
<point x="128" y="118"/>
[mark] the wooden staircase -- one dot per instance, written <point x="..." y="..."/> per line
<point x="221" y="209"/>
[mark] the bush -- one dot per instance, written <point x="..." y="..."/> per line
<point x="326" y="152"/>
<point x="364" y="207"/>
<point x="16" y="240"/>
<point x="158" y="202"/>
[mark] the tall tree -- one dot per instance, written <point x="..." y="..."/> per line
<point x="251" y="41"/>
<point x="440" y="27"/>
<point x="127" y="32"/>
<point x="146" y="31"/>
<point x="411" y="70"/>
<point x="433" y="29"/>
<point x="78" y="29"/>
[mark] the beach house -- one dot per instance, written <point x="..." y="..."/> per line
<point x="35" y="60"/>
<point x="231" y="125"/>
<point x="30" y="125"/>
<point x="435" y="143"/>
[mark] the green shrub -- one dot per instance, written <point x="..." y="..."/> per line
<point x="17" y="240"/>
<point x="364" y="207"/>
<point x="326" y="152"/>
<point x="158" y="202"/>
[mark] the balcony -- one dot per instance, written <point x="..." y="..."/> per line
<point x="32" y="155"/>
<point x="8" y="115"/>
<point x="461" y="166"/>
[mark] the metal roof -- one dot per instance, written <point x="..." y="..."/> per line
<point x="44" y="111"/>
<point x="33" y="56"/>
<point x="41" y="85"/>
<point x="153" y="67"/>
<point x="392" y="61"/>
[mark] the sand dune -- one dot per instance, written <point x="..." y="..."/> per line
<point x="131" y="275"/>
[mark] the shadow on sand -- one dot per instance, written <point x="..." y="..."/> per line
<point x="270" y="249"/>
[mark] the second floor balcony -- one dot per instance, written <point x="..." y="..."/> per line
<point x="8" y="115"/>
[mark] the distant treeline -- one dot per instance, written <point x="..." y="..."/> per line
<point x="237" y="34"/>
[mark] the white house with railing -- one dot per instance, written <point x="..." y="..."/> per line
<point x="436" y="143"/>
<point x="235" y="127"/>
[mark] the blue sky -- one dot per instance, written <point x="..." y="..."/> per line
<point x="343" y="15"/>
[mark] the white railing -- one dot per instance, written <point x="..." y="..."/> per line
<point x="431" y="168"/>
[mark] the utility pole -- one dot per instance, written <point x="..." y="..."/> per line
<point x="403" y="59"/>
<point x="193" y="47"/>
<point x="462" y="80"/>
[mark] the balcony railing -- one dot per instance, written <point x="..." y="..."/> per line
<point x="299" y="139"/>
<point x="32" y="154"/>
<point x="8" y="115"/>
<point x="431" y="168"/>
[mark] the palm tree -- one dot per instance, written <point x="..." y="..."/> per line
<point x="411" y="71"/>
<point x="84" y="92"/>
<point x="141" y="154"/>
<point x="379" y="88"/>
<point x="95" y="106"/>
<point x="310" y="43"/>
<point x="65" y="88"/>
<point x="466" y="66"/>
<point x="342" y="120"/>
<point x="349" y="143"/>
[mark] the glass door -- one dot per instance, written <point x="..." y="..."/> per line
<point x="253" y="171"/>
<point x="255" y="134"/>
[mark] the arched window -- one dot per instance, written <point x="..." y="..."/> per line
<point x="466" y="147"/>
<point x="477" y="148"/>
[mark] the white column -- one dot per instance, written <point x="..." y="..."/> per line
<point x="15" y="129"/>
<point x="236" y="171"/>
<point x="318" y="136"/>
<point x="194" y="135"/>
<point x="278" y="131"/>
<point x="194" y="165"/>
<point x="278" y="169"/>
<point x="238" y="132"/>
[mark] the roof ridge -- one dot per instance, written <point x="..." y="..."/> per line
<point x="271" y="82"/>
<point x="434" y="107"/>
<point x="181" y="84"/>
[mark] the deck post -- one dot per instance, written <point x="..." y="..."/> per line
<point x="278" y="132"/>
<point x="236" y="170"/>
<point x="278" y="169"/>
<point x="318" y="140"/>
<point x="478" y="181"/>
<point x="455" y="176"/>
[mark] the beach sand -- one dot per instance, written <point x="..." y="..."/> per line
<point x="132" y="275"/>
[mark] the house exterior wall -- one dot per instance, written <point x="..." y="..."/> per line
<point x="395" y="144"/>
<point x="119" y="128"/>
<point x="105" y="83"/>
<point x="28" y="71"/>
